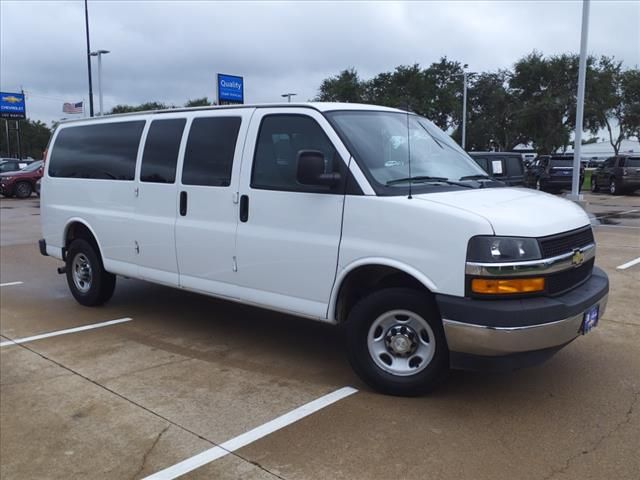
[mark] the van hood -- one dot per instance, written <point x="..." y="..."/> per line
<point x="515" y="211"/>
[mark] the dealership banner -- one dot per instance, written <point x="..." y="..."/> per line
<point x="230" y="89"/>
<point x="12" y="106"/>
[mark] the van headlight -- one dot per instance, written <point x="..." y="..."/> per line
<point x="502" y="249"/>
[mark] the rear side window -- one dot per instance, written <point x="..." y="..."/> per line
<point x="514" y="166"/>
<point x="208" y="159"/>
<point x="631" y="162"/>
<point x="482" y="163"/>
<point x="280" y="140"/>
<point x="161" y="151"/>
<point x="104" y="151"/>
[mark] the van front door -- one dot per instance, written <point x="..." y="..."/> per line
<point x="207" y="212"/>
<point x="289" y="234"/>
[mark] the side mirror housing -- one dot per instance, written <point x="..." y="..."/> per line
<point x="311" y="169"/>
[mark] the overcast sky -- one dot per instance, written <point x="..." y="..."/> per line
<point x="170" y="51"/>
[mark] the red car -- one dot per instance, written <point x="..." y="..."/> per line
<point x="23" y="182"/>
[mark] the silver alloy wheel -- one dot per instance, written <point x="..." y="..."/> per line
<point x="612" y="187"/>
<point x="401" y="342"/>
<point x="82" y="272"/>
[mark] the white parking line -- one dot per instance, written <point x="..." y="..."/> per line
<point x="9" y="284"/>
<point x="251" y="436"/>
<point x="624" y="266"/>
<point x="63" y="332"/>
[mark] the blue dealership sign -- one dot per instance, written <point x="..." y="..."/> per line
<point x="12" y="106"/>
<point x="230" y="89"/>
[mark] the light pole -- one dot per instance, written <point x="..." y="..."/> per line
<point x="99" y="54"/>
<point x="86" y="23"/>
<point x="465" y="78"/>
<point x="582" y="72"/>
<point x="288" y="96"/>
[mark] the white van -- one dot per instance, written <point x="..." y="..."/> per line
<point x="359" y="215"/>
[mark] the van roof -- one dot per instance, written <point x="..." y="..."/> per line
<point x="319" y="106"/>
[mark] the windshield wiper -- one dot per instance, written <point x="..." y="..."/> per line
<point x="425" y="178"/>
<point x="475" y="177"/>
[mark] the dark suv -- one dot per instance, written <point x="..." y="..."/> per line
<point x="617" y="174"/>
<point x="552" y="173"/>
<point x="504" y="166"/>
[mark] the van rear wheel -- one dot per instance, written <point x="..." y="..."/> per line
<point x="396" y="342"/>
<point x="90" y="284"/>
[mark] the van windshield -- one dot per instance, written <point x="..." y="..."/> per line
<point x="383" y="141"/>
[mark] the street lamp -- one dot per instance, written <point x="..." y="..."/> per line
<point x="465" y="76"/>
<point x="99" y="54"/>
<point x="288" y="96"/>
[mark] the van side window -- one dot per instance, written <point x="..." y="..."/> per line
<point x="211" y="145"/>
<point x="105" y="151"/>
<point x="161" y="151"/>
<point x="280" y="140"/>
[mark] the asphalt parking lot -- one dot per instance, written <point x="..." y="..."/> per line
<point x="183" y="374"/>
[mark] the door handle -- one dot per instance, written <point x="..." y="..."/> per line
<point x="183" y="203"/>
<point x="244" y="208"/>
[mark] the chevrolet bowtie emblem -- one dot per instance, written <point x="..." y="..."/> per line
<point x="577" y="258"/>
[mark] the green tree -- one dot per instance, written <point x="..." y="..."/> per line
<point x="34" y="137"/>
<point x="544" y="89"/>
<point x="491" y="119"/>
<point x="198" y="102"/>
<point x="613" y="98"/>
<point x="139" y="108"/>
<point x="344" y="87"/>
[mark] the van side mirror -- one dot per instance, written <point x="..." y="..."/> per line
<point x="311" y="169"/>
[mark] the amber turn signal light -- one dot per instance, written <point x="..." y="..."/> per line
<point x="494" y="286"/>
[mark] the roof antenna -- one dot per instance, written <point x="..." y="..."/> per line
<point x="409" y="151"/>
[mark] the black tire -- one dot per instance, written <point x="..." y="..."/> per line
<point x="23" y="190"/>
<point x="613" y="187"/>
<point x="362" y="319"/>
<point x="99" y="285"/>
<point x="594" y="185"/>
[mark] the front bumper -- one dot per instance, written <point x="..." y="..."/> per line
<point x="518" y="329"/>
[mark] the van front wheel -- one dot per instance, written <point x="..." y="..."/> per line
<point x="396" y="342"/>
<point x="90" y="284"/>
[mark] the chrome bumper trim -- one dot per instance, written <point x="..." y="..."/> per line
<point x="495" y="341"/>
<point x="532" y="267"/>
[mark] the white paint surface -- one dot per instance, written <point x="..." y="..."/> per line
<point x="631" y="263"/>
<point x="63" y="332"/>
<point x="9" y="284"/>
<point x="251" y="436"/>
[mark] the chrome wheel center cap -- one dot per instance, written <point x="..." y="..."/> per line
<point x="401" y="340"/>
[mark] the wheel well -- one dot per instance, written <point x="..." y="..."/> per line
<point x="367" y="279"/>
<point x="79" y="230"/>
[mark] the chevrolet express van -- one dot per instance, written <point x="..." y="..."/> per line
<point x="355" y="215"/>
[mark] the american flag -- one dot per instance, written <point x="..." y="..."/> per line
<point x="72" y="107"/>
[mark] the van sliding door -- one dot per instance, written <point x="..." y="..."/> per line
<point x="206" y="202"/>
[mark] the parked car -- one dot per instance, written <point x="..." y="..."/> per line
<point x="12" y="164"/>
<point x="552" y="173"/>
<point x="617" y="174"/>
<point x="326" y="211"/>
<point x="503" y="166"/>
<point x="21" y="183"/>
